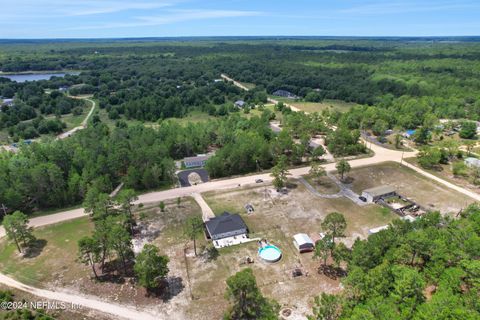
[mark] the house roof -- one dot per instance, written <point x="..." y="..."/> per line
<point x="200" y="157"/>
<point x="379" y="191"/>
<point x="472" y="161"/>
<point x="302" y="238"/>
<point x="239" y="103"/>
<point x="225" y="223"/>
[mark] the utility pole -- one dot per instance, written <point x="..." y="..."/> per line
<point x="4" y="210"/>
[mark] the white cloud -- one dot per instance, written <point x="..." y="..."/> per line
<point x="406" y="6"/>
<point x="173" y="16"/>
<point x="104" y="7"/>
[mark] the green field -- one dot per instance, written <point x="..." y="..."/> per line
<point x="311" y="107"/>
<point x="53" y="257"/>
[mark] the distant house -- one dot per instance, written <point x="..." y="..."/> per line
<point x="284" y="93"/>
<point x="63" y="88"/>
<point x="226" y="226"/>
<point x="198" y="161"/>
<point x="303" y="242"/>
<point x="472" y="162"/>
<point x="409" y="133"/>
<point x="239" y="104"/>
<point x="7" y="103"/>
<point x="377" y="193"/>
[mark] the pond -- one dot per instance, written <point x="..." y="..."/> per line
<point x="23" y="77"/>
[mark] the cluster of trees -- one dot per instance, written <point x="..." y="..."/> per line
<point x="428" y="269"/>
<point x="110" y="245"/>
<point x="36" y="127"/>
<point x="20" y="313"/>
<point x="247" y="300"/>
<point x="18" y="231"/>
<point x="31" y="102"/>
<point x="58" y="173"/>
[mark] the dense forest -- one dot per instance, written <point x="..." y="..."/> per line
<point x="428" y="269"/>
<point x="396" y="84"/>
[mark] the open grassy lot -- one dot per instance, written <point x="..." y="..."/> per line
<point x="445" y="172"/>
<point x="324" y="184"/>
<point x="311" y="107"/>
<point x="410" y="184"/>
<point x="53" y="260"/>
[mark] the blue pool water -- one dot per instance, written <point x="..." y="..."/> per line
<point x="270" y="253"/>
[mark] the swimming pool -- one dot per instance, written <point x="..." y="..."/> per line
<point x="270" y="253"/>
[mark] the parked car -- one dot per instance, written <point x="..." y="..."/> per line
<point x="258" y="180"/>
<point x="363" y="199"/>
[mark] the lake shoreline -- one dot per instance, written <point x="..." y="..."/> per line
<point x="2" y="73"/>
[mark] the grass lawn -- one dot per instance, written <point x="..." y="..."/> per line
<point x="311" y="107"/>
<point x="410" y="184"/>
<point x="53" y="260"/>
<point x="323" y="184"/>
<point x="445" y="172"/>
<point x="193" y="117"/>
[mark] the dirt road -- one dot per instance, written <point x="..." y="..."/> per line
<point x="84" y="122"/>
<point x="119" y="311"/>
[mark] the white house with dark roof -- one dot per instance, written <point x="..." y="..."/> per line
<point x="226" y="230"/>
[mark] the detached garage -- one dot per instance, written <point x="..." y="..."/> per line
<point x="303" y="242"/>
<point x="377" y="193"/>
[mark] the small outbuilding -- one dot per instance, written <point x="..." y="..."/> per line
<point x="377" y="193"/>
<point x="472" y="162"/>
<point x="303" y="242"/>
<point x="249" y="208"/>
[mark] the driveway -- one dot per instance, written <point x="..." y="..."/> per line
<point x="183" y="176"/>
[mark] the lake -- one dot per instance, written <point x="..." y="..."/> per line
<point x="23" y="77"/>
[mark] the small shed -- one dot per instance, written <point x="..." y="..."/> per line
<point x="472" y="162"/>
<point x="303" y="242"/>
<point x="249" y="208"/>
<point x="377" y="193"/>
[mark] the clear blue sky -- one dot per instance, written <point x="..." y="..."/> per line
<point x="160" y="18"/>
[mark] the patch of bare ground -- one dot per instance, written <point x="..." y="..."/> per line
<point x="410" y="184"/>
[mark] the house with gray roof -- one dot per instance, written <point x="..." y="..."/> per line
<point x="225" y="226"/>
<point x="377" y="193"/>
<point x="197" y="161"/>
<point x="239" y="104"/>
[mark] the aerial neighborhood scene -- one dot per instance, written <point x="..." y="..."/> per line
<point x="243" y="160"/>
